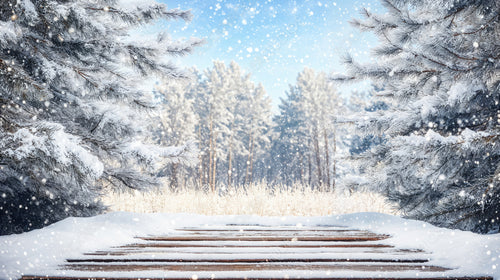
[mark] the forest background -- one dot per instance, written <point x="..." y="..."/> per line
<point x="78" y="120"/>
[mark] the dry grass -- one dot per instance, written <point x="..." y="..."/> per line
<point x="255" y="200"/>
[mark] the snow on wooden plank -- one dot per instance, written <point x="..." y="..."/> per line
<point x="346" y="238"/>
<point x="268" y="229"/>
<point x="245" y="260"/>
<point x="28" y="277"/>
<point x="260" y="278"/>
<point x="276" y="232"/>
<point x="250" y="249"/>
<point x="214" y="267"/>
<point x="290" y="244"/>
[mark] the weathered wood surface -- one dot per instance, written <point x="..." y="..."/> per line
<point x="238" y="248"/>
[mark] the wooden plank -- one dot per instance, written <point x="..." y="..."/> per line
<point x="278" y="233"/>
<point x="362" y="250"/>
<point x="30" y="277"/>
<point x="266" y="238"/>
<point x="297" y="226"/>
<point x="214" y="267"/>
<point x="269" y="230"/>
<point x="246" y="260"/>
<point x="218" y="245"/>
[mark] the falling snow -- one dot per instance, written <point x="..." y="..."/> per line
<point x="288" y="38"/>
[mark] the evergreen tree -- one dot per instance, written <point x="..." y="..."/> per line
<point x="238" y="88"/>
<point x="358" y="142"/>
<point x="255" y="132"/>
<point x="216" y="93"/>
<point x="234" y="118"/>
<point x="320" y="104"/>
<point x="177" y="121"/>
<point x="288" y="147"/>
<point x="304" y="150"/>
<point x="70" y="113"/>
<point x="438" y="62"/>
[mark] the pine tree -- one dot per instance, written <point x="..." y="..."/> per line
<point x="438" y="62"/>
<point x="213" y="106"/>
<point x="176" y="121"/>
<point x="288" y="147"/>
<point x="70" y="113"/>
<point x="320" y="104"/>
<point x="238" y="88"/>
<point x="255" y="131"/>
<point x="234" y="117"/>
<point x="304" y="150"/>
<point x="358" y="142"/>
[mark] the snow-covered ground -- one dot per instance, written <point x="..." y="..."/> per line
<point x="40" y="251"/>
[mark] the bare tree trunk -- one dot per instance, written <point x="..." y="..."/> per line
<point x="251" y="159"/>
<point x="230" y="161"/>
<point x="301" y="166"/>
<point x="334" y="175"/>
<point x="247" y="173"/>
<point x="317" y="156"/>
<point x="210" y="154"/>
<point x="310" y="168"/>
<point x="200" y="185"/>
<point x="214" y="162"/>
<point x="327" y="163"/>
<point x="174" y="181"/>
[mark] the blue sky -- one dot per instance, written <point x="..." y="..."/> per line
<point x="274" y="40"/>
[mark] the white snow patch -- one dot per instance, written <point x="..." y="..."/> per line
<point x="463" y="91"/>
<point x="51" y="139"/>
<point x="40" y="251"/>
<point x="9" y="33"/>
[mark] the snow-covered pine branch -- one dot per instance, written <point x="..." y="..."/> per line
<point x="438" y="64"/>
<point x="74" y="106"/>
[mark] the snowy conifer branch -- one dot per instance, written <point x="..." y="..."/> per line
<point x="121" y="178"/>
<point x="183" y="48"/>
<point x="482" y="27"/>
<point x="143" y="14"/>
<point x="440" y="72"/>
<point x="71" y="104"/>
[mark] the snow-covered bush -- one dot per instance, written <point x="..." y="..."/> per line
<point x="72" y="107"/>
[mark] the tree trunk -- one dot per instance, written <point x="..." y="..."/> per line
<point x="247" y="173"/>
<point x="200" y="157"/>
<point x="327" y="159"/>
<point x="334" y="175"/>
<point x="301" y="166"/>
<point x="174" y="181"/>
<point x="210" y="153"/>
<point x="310" y="167"/>
<point x="230" y="161"/>
<point x="317" y="156"/>
<point x="214" y="162"/>
<point x="251" y="159"/>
